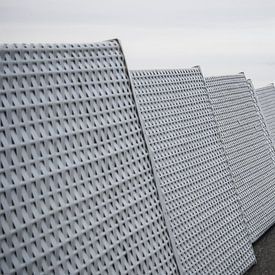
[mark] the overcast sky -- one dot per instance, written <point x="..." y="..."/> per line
<point x="222" y="36"/>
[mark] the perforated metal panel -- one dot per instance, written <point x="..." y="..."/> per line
<point x="263" y="121"/>
<point x="248" y="149"/>
<point x="77" y="191"/>
<point x="266" y="100"/>
<point x="201" y="201"/>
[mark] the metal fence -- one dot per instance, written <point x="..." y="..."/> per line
<point x="106" y="171"/>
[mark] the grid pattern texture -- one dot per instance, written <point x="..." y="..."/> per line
<point x="77" y="189"/>
<point x="200" y="197"/>
<point x="266" y="100"/>
<point x="248" y="148"/>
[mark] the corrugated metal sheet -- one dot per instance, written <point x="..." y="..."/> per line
<point x="77" y="188"/>
<point x="190" y="162"/>
<point x="266" y="100"/>
<point x="248" y="149"/>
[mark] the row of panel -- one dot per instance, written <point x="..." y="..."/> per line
<point x="106" y="171"/>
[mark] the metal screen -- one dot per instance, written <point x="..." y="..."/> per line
<point x="248" y="149"/>
<point x="77" y="191"/>
<point x="266" y="100"/>
<point x="199" y="194"/>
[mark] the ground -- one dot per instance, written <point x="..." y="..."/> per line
<point x="265" y="253"/>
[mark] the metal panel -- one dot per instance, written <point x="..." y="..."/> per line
<point x="248" y="149"/>
<point x="77" y="188"/>
<point x="199" y="194"/>
<point x="266" y="100"/>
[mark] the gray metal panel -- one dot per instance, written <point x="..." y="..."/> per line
<point x="263" y="121"/>
<point x="248" y="149"/>
<point x="77" y="189"/>
<point x="266" y="100"/>
<point x="199" y="194"/>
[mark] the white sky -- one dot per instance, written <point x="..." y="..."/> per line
<point x="222" y="36"/>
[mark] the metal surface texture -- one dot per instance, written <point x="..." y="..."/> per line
<point x="262" y="118"/>
<point x="77" y="189"/>
<point x="266" y="100"/>
<point x="248" y="148"/>
<point x="200" y="197"/>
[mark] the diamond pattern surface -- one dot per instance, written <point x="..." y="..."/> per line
<point x="200" y="197"/>
<point x="248" y="149"/>
<point x="77" y="192"/>
<point x="266" y="100"/>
